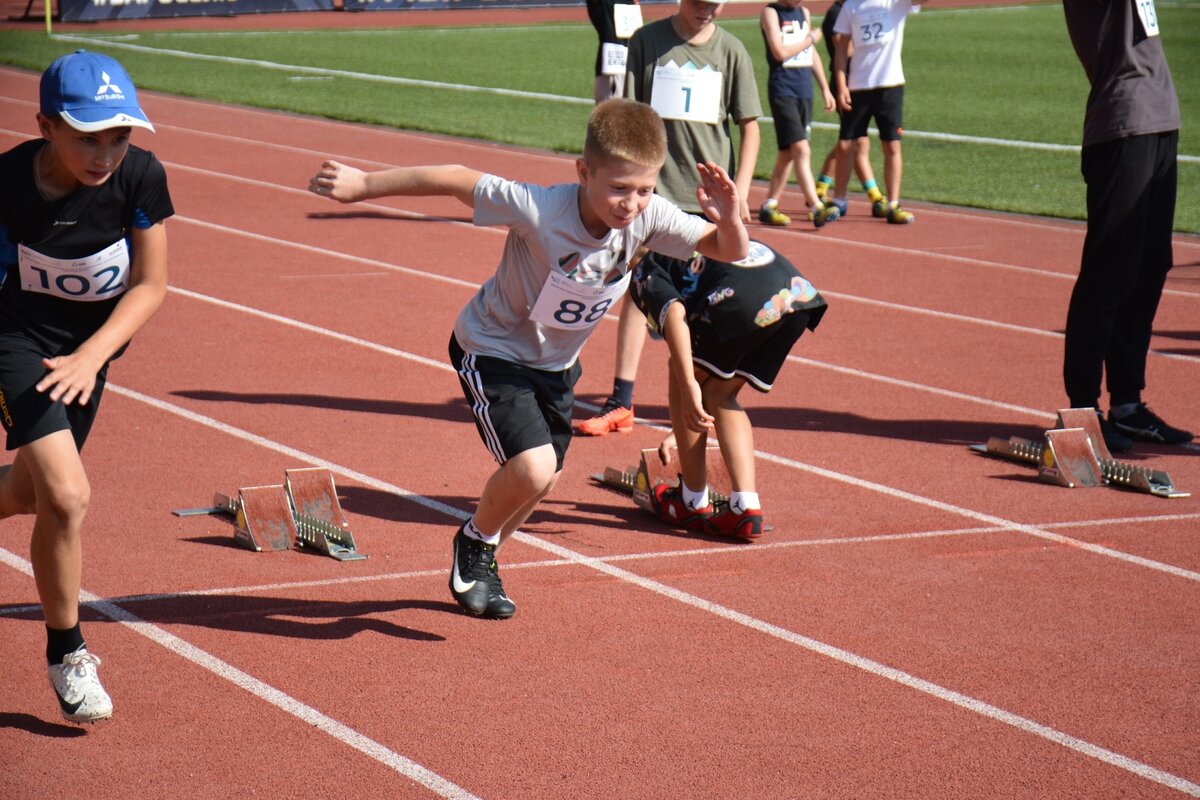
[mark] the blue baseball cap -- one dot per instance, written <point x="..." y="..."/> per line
<point x="91" y="92"/>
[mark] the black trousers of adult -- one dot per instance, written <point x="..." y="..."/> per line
<point x="1131" y="186"/>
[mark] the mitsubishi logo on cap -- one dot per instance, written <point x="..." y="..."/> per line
<point x="109" y="90"/>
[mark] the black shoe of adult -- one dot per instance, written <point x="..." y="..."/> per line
<point x="471" y="572"/>
<point x="1116" y="441"/>
<point x="1143" y="423"/>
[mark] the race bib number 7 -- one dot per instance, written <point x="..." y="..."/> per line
<point x="569" y="305"/>
<point x="691" y="95"/>
<point x="100" y="276"/>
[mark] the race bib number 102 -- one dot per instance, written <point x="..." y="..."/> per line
<point x="100" y="276"/>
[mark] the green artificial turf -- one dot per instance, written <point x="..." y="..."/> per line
<point x="1006" y="73"/>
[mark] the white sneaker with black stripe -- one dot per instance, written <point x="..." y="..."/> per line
<point x="80" y="695"/>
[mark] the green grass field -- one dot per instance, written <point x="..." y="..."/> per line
<point x="1007" y="74"/>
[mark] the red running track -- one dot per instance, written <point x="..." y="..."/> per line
<point x="921" y="623"/>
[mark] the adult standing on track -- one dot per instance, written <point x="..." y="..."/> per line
<point x="614" y="26"/>
<point x="83" y="260"/>
<point x="1130" y="138"/>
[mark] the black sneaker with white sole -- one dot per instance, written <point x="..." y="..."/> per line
<point x="1143" y="423"/>
<point x="471" y="572"/>
<point x="499" y="606"/>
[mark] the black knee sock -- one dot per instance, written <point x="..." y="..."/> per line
<point x="60" y="643"/>
<point x="622" y="394"/>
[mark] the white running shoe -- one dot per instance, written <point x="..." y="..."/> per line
<point x="77" y="685"/>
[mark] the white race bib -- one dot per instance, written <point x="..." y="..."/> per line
<point x="1148" y="15"/>
<point x="873" y="29"/>
<point x="691" y="95"/>
<point x="570" y="305"/>
<point x="101" y="276"/>
<point x="793" y="32"/>
<point x="612" y="58"/>
<point x="627" y="18"/>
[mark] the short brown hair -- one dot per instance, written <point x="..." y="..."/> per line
<point x="625" y="129"/>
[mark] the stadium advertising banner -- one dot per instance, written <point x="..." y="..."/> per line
<point x="96" y="10"/>
<point x="393" y="5"/>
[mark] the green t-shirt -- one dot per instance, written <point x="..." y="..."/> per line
<point x="690" y="142"/>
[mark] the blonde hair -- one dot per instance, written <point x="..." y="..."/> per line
<point x="625" y="129"/>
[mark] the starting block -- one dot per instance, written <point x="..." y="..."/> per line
<point x="639" y="481"/>
<point x="1074" y="455"/>
<point x="304" y="510"/>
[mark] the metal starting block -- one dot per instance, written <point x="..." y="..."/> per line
<point x="304" y="510"/>
<point x="650" y="472"/>
<point x="1074" y="455"/>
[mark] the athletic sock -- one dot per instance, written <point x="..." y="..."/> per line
<point x="825" y="179"/>
<point x="872" y="190"/>
<point x="694" y="500"/>
<point x="622" y="395"/>
<point x="473" y="532"/>
<point x="61" y="643"/>
<point x="744" y="501"/>
<point x="770" y="204"/>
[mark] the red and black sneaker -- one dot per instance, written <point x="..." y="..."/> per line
<point x="670" y="508"/>
<point x="746" y="525"/>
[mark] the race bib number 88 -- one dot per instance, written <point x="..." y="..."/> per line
<point x="100" y="276"/>
<point x="569" y="305"/>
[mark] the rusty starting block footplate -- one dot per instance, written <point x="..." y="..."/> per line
<point x="302" y="511"/>
<point x="1074" y="455"/>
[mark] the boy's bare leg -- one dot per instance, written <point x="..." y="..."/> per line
<point x="841" y="179"/>
<point x="62" y="493"/>
<point x="801" y="155"/>
<point x="514" y="490"/>
<point x="862" y="159"/>
<point x="735" y="435"/>
<point x="779" y="174"/>
<point x="690" y="444"/>
<point x="893" y="166"/>
<point x="16" y="489"/>
<point x="631" y="338"/>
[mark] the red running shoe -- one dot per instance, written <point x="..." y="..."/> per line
<point x="670" y="508"/>
<point x="747" y="525"/>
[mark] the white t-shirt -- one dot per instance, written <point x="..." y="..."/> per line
<point x="876" y="27"/>
<point x="555" y="281"/>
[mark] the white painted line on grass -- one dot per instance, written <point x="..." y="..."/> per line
<point x="556" y="98"/>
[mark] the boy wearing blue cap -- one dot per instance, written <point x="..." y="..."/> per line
<point x="83" y="265"/>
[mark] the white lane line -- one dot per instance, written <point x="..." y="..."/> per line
<point x="956" y="138"/>
<point x="657" y="555"/>
<point x="833" y="652"/>
<point x="262" y="690"/>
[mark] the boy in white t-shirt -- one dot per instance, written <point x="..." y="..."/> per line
<point x="874" y="88"/>
<point x="566" y="261"/>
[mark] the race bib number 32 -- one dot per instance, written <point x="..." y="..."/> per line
<point x="100" y="276"/>
<point x="569" y="305"/>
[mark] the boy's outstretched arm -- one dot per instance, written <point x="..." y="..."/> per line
<point x="691" y="413"/>
<point x="725" y="237"/>
<point x="349" y="185"/>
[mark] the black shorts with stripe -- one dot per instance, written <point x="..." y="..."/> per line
<point x="517" y="408"/>
<point x="27" y="414"/>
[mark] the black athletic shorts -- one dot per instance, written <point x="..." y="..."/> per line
<point x="517" y="408"/>
<point x="757" y="356"/>
<point x="885" y="105"/>
<point x="793" y="120"/>
<point x="27" y="414"/>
